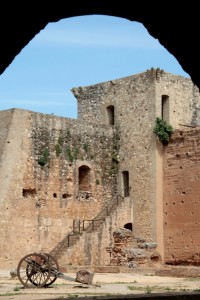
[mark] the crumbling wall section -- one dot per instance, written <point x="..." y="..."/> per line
<point x="133" y="252"/>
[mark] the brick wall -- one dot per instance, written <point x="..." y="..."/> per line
<point x="182" y="198"/>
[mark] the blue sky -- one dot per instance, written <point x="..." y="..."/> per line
<point x="79" y="51"/>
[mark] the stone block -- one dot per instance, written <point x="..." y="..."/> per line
<point x="84" y="276"/>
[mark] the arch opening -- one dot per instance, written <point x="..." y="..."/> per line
<point x="111" y="114"/>
<point x="84" y="178"/>
<point x="125" y="183"/>
<point x="129" y="226"/>
<point x="165" y="108"/>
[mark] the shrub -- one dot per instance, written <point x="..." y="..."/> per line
<point x="163" y="130"/>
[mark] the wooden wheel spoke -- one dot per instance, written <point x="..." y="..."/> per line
<point x="34" y="270"/>
<point x="54" y="269"/>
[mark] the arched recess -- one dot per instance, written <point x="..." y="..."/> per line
<point x="129" y="226"/>
<point x="165" y="108"/>
<point x="85" y="181"/>
<point x="110" y="114"/>
<point x="84" y="178"/>
<point x="125" y="184"/>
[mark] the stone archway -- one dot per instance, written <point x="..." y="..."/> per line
<point x="167" y="25"/>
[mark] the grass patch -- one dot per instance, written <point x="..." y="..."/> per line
<point x="185" y="290"/>
<point x="9" y="294"/>
<point x="168" y="289"/>
<point x="148" y="290"/>
<point x="193" y="279"/>
<point x="136" y="288"/>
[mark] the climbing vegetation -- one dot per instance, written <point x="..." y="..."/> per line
<point x="44" y="157"/>
<point x="163" y="130"/>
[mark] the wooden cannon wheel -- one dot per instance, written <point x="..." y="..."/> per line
<point x="38" y="270"/>
<point x="54" y="269"/>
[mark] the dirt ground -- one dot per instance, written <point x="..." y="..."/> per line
<point x="103" y="284"/>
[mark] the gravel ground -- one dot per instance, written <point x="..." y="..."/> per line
<point x="103" y="284"/>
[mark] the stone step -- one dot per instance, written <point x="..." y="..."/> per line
<point x="179" y="271"/>
<point x="107" y="269"/>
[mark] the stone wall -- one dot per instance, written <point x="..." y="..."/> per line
<point x="137" y="101"/>
<point x="56" y="172"/>
<point x="5" y="121"/>
<point x="40" y="197"/>
<point x="184" y="99"/>
<point x="132" y="98"/>
<point x="91" y="249"/>
<point x="13" y="227"/>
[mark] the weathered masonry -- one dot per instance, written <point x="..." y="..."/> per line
<point x="59" y="176"/>
<point x="182" y="198"/>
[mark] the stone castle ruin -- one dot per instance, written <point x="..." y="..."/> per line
<point x="101" y="189"/>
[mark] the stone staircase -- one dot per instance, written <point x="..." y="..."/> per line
<point x="86" y="243"/>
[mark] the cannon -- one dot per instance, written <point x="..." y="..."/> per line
<point x="42" y="270"/>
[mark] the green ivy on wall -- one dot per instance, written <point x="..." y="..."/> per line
<point x="44" y="157"/>
<point x="58" y="149"/>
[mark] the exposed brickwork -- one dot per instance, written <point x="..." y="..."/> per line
<point x="132" y="252"/>
<point x="182" y="198"/>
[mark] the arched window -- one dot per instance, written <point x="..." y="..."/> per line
<point x="111" y="114"/>
<point x="125" y="182"/>
<point x="84" y="178"/>
<point x="165" y="108"/>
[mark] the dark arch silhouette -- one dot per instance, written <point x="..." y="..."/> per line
<point x="176" y="29"/>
